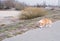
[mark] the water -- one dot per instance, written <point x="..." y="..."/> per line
<point x="45" y="34"/>
<point x="7" y="17"/>
<point x="9" y="13"/>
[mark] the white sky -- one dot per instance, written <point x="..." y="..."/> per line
<point x="33" y="2"/>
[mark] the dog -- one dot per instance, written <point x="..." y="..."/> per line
<point x="45" y="22"/>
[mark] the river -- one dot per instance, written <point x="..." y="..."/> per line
<point x="9" y="13"/>
<point x="7" y="17"/>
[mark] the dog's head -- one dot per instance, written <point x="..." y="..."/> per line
<point x="40" y="23"/>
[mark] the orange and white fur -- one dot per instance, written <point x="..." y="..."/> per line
<point x="45" y="22"/>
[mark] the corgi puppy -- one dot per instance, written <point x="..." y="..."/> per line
<point x="45" y="22"/>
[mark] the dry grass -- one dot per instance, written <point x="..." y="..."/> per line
<point x="32" y="12"/>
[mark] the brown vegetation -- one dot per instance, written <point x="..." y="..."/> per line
<point x="32" y="12"/>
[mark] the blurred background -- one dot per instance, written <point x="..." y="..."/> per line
<point x="21" y="4"/>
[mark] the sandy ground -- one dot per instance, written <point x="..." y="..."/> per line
<point x="44" y="34"/>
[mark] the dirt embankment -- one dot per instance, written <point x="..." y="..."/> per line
<point x="22" y="26"/>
